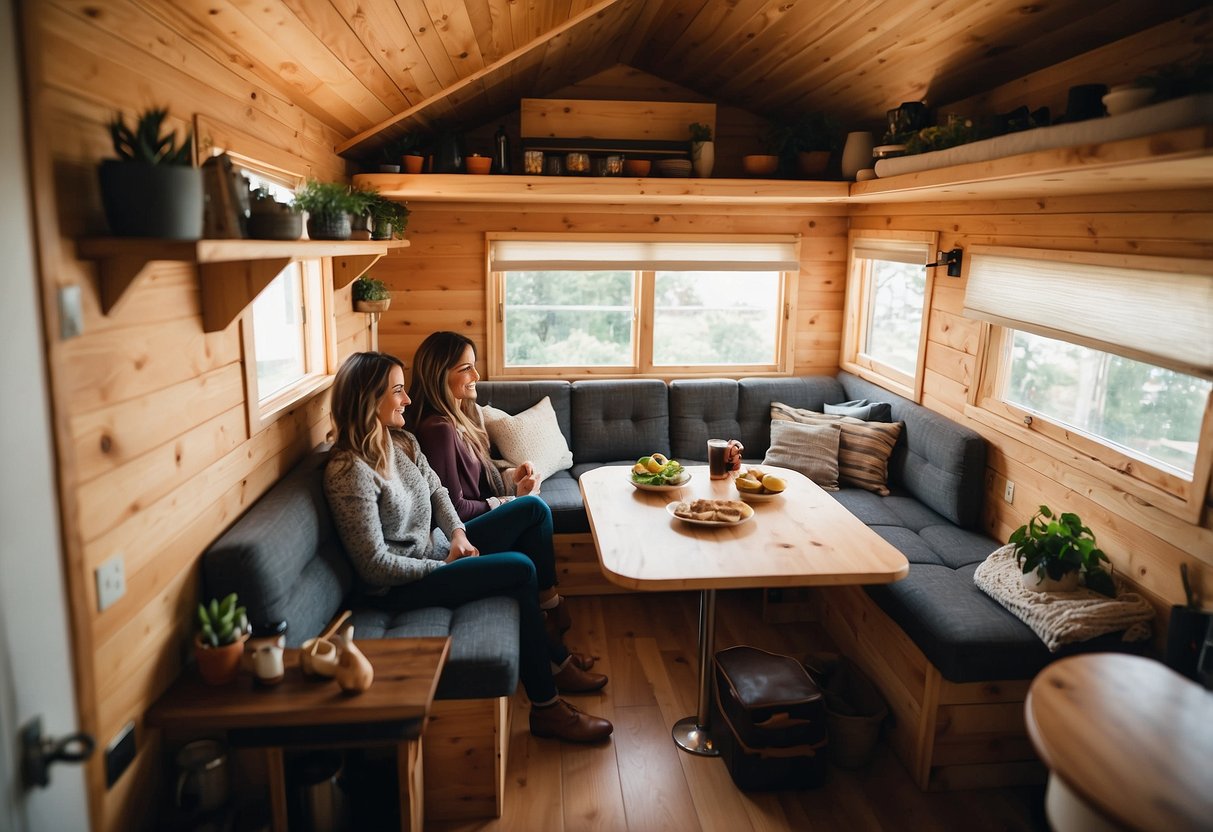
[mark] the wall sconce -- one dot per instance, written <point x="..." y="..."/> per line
<point x="951" y="259"/>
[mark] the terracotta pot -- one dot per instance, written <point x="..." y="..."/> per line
<point x="478" y="164"/>
<point x="813" y="162"/>
<point x="760" y="165"/>
<point x="218" y="665"/>
<point x="413" y="164"/>
<point x="636" y="167"/>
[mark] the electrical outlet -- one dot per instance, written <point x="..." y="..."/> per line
<point x="111" y="582"/>
<point x="1008" y="493"/>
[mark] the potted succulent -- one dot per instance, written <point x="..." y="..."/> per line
<point x="328" y="205"/>
<point x="371" y="295"/>
<point x="1056" y="550"/>
<point x="152" y="189"/>
<point x="388" y="218"/>
<point x="703" y="150"/>
<point x="270" y="219"/>
<point x="222" y="630"/>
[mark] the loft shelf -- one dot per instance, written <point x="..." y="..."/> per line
<point x="231" y="273"/>
<point x="1172" y="160"/>
<point x="590" y="190"/>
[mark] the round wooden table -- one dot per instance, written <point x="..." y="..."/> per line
<point x="1128" y="743"/>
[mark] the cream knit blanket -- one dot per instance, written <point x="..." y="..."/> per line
<point x="1062" y="617"/>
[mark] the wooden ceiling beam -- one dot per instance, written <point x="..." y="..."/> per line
<point x="369" y="135"/>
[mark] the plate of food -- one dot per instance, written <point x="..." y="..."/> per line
<point x="757" y="486"/>
<point x="711" y="512"/>
<point x="656" y="473"/>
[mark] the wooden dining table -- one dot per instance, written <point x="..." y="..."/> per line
<point x="802" y="537"/>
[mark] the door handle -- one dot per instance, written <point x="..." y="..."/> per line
<point x="38" y="753"/>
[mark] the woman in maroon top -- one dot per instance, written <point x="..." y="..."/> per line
<point x="448" y="426"/>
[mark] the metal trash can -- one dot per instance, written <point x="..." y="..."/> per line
<point x="315" y="778"/>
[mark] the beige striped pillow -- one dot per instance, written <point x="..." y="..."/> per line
<point x="863" y="449"/>
<point x="810" y="449"/>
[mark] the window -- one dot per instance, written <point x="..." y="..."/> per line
<point x="888" y="293"/>
<point x="1108" y="371"/>
<point x="610" y="306"/>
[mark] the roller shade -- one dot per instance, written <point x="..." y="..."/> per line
<point x="558" y="255"/>
<point x="896" y="251"/>
<point x="1151" y="310"/>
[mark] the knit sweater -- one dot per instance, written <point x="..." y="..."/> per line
<point x="385" y="522"/>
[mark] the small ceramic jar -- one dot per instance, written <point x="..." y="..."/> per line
<point x="264" y="650"/>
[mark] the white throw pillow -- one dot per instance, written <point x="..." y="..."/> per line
<point x="810" y="449"/>
<point x="533" y="434"/>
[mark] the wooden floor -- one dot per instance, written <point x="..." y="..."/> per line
<point x="646" y="643"/>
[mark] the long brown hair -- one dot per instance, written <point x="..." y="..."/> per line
<point x="438" y="355"/>
<point x="361" y="382"/>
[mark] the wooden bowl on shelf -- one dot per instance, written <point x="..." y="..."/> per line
<point x="636" y="167"/>
<point x="479" y="164"/>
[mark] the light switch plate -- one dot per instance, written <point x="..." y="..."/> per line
<point x="71" y="316"/>
<point x="1008" y="493"/>
<point x="111" y="582"/>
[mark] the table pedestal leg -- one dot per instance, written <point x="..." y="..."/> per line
<point x="694" y="733"/>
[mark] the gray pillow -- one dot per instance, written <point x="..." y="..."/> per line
<point x="862" y="409"/>
<point x="810" y="449"/>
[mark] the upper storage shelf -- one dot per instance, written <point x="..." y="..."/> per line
<point x="1175" y="159"/>
<point x="231" y="273"/>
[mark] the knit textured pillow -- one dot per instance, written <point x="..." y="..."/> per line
<point x="863" y="448"/>
<point x="533" y="435"/>
<point x="810" y="449"/>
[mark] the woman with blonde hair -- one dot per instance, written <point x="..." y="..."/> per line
<point x="447" y="423"/>
<point x="386" y="501"/>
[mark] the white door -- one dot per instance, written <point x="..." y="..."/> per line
<point x="35" y="660"/>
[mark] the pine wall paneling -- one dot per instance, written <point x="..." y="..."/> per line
<point x="155" y="457"/>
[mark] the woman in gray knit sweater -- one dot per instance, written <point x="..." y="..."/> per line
<point x="386" y="500"/>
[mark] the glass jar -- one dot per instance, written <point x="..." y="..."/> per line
<point x="553" y="166"/>
<point x="578" y="163"/>
<point x="532" y="162"/>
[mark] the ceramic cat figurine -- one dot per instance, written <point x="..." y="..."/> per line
<point x="354" y="671"/>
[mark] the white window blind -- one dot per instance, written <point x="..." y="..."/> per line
<point x="1149" y="309"/>
<point x="582" y="255"/>
<point x="913" y="253"/>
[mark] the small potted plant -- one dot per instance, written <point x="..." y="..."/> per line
<point x="814" y="138"/>
<point x="152" y="189"/>
<point x="1056" y="550"/>
<point x="328" y="205"/>
<point x="388" y="218"/>
<point x="371" y="295"/>
<point x="775" y="142"/>
<point x="360" y="215"/>
<point x="703" y="150"/>
<point x="222" y="630"/>
<point x="270" y="219"/>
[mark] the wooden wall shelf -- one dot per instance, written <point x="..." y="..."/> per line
<point x="231" y="273"/>
<point x="1175" y="159"/>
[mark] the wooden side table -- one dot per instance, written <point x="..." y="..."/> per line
<point x="1128" y="743"/>
<point x="301" y="711"/>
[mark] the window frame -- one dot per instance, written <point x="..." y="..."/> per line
<point x="857" y="313"/>
<point x="644" y="290"/>
<point x="1130" y="473"/>
<point x="249" y="152"/>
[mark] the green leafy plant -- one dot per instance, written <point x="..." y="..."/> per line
<point x="700" y="132"/>
<point x="368" y="288"/>
<point x="1053" y="545"/>
<point x="145" y="143"/>
<point x="940" y="137"/>
<point x="222" y="622"/>
<point x="329" y="199"/>
<point x="387" y="213"/>
<point x="815" y="131"/>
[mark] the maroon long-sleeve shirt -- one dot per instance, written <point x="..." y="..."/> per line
<point x="457" y="465"/>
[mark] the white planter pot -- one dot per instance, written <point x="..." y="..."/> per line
<point x="703" y="157"/>
<point x="856" y="154"/>
<point x="1066" y="583"/>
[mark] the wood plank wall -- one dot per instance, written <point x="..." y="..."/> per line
<point x="155" y="456"/>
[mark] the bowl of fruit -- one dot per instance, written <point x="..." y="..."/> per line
<point x="755" y="485"/>
<point x="656" y="473"/>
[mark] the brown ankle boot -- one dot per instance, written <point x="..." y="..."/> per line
<point x="572" y="679"/>
<point x="564" y="722"/>
<point x="560" y="612"/>
<point x="555" y="638"/>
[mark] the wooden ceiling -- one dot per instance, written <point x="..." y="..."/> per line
<point x="371" y="69"/>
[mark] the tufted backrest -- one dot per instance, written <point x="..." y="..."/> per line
<point x="620" y="420"/>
